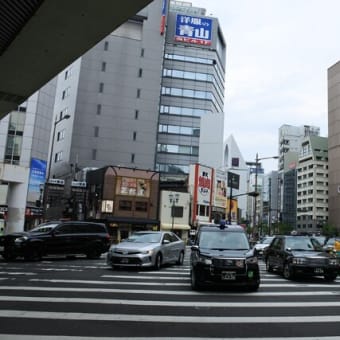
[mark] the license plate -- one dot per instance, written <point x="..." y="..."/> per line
<point x="228" y="275"/>
<point x="318" y="270"/>
<point x="124" y="260"/>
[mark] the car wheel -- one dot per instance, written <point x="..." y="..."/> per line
<point x="196" y="284"/>
<point x="287" y="272"/>
<point x="330" y="276"/>
<point x="8" y="256"/>
<point x="269" y="268"/>
<point x="180" y="258"/>
<point x="94" y="253"/>
<point x="33" y="254"/>
<point x="253" y="287"/>
<point x="158" y="261"/>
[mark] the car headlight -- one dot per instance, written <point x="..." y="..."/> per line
<point x="147" y="252"/>
<point x="333" y="262"/>
<point x="252" y="260"/>
<point x="21" y="239"/>
<point x="204" y="259"/>
<point x="299" y="260"/>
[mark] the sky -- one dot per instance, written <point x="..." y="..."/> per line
<point x="278" y="53"/>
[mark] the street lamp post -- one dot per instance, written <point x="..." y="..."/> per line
<point x="173" y="199"/>
<point x="257" y="159"/>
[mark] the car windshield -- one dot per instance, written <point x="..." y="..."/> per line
<point x="144" y="238"/>
<point x="43" y="228"/>
<point x="303" y="243"/>
<point x="223" y="240"/>
<point x="266" y="240"/>
<point x="331" y="241"/>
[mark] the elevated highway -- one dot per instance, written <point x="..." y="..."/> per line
<point x="38" y="38"/>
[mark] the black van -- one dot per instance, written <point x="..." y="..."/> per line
<point x="57" y="238"/>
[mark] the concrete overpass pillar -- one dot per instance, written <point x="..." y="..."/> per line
<point x="16" y="202"/>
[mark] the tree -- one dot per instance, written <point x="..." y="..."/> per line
<point x="329" y="230"/>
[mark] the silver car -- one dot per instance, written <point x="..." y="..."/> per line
<point x="263" y="244"/>
<point x="147" y="249"/>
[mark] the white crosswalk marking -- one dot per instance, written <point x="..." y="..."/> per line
<point x="129" y="300"/>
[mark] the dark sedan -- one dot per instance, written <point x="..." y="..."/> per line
<point x="300" y="255"/>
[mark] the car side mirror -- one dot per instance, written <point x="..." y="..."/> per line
<point x="166" y="241"/>
<point x="195" y="247"/>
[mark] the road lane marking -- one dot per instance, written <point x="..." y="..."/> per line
<point x="18" y="273"/>
<point x="58" y="337"/>
<point x="170" y="303"/>
<point x="135" y="318"/>
<point x="146" y="277"/>
<point x="168" y="292"/>
<point x="102" y="282"/>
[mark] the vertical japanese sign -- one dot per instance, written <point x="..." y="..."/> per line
<point x="204" y="185"/>
<point x="193" y="30"/>
<point x="37" y="177"/>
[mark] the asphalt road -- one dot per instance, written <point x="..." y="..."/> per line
<point x="81" y="299"/>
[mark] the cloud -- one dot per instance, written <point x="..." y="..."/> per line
<point x="278" y="53"/>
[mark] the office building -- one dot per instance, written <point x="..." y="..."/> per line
<point x="24" y="136"/>
<point x="136" y="98"/>
<point x="312" y="185"/>
<point x="290" y="141"/>
<point x="334" y="145"/>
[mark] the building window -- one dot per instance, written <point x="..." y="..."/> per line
<point x="132" y="158"/>
<point x="68" y="74"/>
<point x="94" y="154"/>
<point x="101" y="87"/>
<point x="125" y="205"/>
<point x="134" y="135"/>
<point x="235" y="162"/>
<point x="141" y="206"/>
<point x="179" y="149"/>
<point x="14" y="137"/>
<point x="65" y="93"/>
<point x="103" y="66"/>
<point x="198" y="76"/>
<point x="184" y="111"/>
<point x="96" y="131"/>
<point x="142" y="52"/>
<point x="136" y="114"/>
<point x="138" y="93"/>
<point x="106" y="46"/>
<point x="140" y="73"/>
<point x="61" y="135"/>
<point x="177" y="211"/>
<point x="187" y="93"/>
<point x="179" y="130"/>
<point x="99" y="109"/>
<point x="63" y="113"/>
<point x="58" y="157"/>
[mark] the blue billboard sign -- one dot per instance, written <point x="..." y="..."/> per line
<point x="193" y="30"/>
<point x="37" y="177"/>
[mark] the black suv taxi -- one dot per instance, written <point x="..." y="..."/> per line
<point x="221" y="255"/>
<point x="300" y="256"/>
<point x="57" y="237"/>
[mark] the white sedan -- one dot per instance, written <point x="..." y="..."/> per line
<point x="147" y="249"/>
